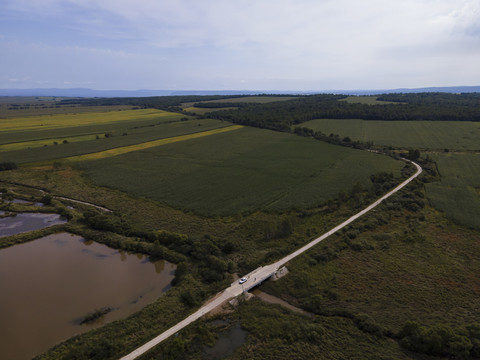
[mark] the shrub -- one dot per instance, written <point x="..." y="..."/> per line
<point x="8" y="165"/>
<point x="440" y="340"/>
<point x="46" y="200"/>
<point x="366" y="324"/>
<point x="189" y="298"/>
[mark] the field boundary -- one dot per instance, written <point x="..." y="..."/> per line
<point x="142" y="146"/>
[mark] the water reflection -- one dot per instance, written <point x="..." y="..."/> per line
<point x="23" y="222"/>
<point x="159" y="266"/>
<point x="25" y="202"/>
<point x="123" y="255"/>
<point x="47" y="285"/>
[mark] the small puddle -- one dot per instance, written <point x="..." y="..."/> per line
<point x="24" y="222"/>
<point x="226" y="344"/>
<point x="25" y="202"/>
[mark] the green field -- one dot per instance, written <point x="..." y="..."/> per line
<point x="439" y="135"/>
<point x="255" y="99"/>
<point x="369" y="100"/>
<point x="119" y="135"/>
<point x="82" y="119"/>
<point x="202" y="111"/>
<point x="246" y="99"/>
<point x="149" y="144"/>
<point x="457" y="194"/>
<point x="240" y="171"/>
<point x="24" y="129"/>
<point x="45" y="142"/>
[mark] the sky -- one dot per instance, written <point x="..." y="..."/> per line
<point x="300" y="45"/>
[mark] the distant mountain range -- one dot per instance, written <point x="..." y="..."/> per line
<point x="82" y="92"/>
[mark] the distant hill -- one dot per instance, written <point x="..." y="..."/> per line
<point x="83" y="92"/>
<point x="446" y="89"/>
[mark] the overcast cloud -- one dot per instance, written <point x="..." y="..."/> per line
<point x="247" y="44"/>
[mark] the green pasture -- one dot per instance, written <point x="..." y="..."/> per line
<point x="368" y="100"/>
<point x="26" y="123"/>
<point x="202" y="111"/>
<point x="255" y="99"/>
<point x="439" y="135"/>
<point x="26" y="107"/>
<point x="46" y="142"/>
<point x="240" y="171"/>
<point x="77" y="128"/>
<point x="119" y="137"/>
<point x="245" y="99"/>
<point x="457" y="194"/>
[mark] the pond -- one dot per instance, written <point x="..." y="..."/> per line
<point x="50" y="284"/>
<point x="23" y="222"/>
<point x="25" y="202"/>
<point x="226" y="344"/>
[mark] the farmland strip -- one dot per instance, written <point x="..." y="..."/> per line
<point x="149" y="144"/>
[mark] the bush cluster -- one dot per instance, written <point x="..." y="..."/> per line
<point x="7" y="165"/>
<point x="441" y="340"/>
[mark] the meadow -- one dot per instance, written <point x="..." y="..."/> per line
<point x="17" y="106"/>
<point x="431" y="135"/>
<point x="56" y="121"/>
<point x="240" y="171"/>
<point x="203" y="111"/>
<point x="115" y="136"/>
<point x="72" y="125"/>
<point x="147" y="145"/>
<point x="453" y="146"/>
<point x="45" y="142"/>
<point x="457" y="194"/>
<point x="392" y="272"/>
<point x="245" y="99"/>
<point x="369" y="100"/>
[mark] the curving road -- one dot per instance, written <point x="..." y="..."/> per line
<point x="257" y="276"/>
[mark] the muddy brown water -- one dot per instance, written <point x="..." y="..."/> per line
<point x="48" y="285"/>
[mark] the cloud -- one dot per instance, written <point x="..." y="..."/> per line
<point x="328" y="42"/>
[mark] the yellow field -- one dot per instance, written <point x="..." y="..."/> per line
<point x="81" y="119"/>
<point x="40" y="143"/>
<point x="149" y="144"/>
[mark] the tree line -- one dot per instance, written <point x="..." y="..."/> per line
<point x="408" y="107"/>
<point x="168" y="103"/>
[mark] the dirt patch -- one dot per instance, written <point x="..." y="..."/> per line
<point x="275" y="300"/>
